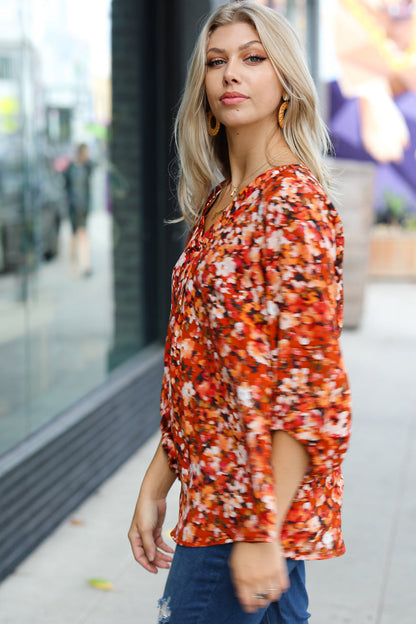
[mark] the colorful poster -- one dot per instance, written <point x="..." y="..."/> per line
<point x="373" y="99"/>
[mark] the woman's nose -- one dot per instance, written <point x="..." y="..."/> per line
<point x="231" y="72"/>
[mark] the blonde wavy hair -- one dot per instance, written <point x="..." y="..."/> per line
<point x="203" y="159"/>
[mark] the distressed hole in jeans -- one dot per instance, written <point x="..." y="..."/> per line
<point x="164" y="610"/>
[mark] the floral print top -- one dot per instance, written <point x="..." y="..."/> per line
<point x="253" y="347"/>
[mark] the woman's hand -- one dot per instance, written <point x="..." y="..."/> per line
<point x="145" y="534"/>
<point x="258" y="568"/>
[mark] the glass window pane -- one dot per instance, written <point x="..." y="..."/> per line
<point x="56" y="293"/>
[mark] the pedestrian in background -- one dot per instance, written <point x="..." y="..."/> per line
<point x="77" y="184"/>
<point x="255" y="399"/>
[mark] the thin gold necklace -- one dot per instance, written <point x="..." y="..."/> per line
<point x="234" y="189"/>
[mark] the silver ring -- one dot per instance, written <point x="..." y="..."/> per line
<point x="272" y="589"/>
<point x="260" y="595"/>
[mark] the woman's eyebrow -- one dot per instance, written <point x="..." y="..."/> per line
<point x="249" y="43"/>
<point x="242" y="47"/>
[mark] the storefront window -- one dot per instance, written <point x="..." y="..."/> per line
<point x="56" y="295"/>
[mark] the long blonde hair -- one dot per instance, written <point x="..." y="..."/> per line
<point x="204" y="159"/>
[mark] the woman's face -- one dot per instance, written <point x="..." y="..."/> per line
<point x="241" y="84"/>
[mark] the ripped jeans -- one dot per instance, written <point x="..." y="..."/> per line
<point x="199" y="590"/>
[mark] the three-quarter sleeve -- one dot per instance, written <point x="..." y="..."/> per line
<point x="303" y="266"/>
<point x="274" y="305"/>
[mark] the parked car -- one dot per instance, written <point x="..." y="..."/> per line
<point x="31" y="210"/>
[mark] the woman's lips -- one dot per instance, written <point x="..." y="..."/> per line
<point x="233" y="98"/>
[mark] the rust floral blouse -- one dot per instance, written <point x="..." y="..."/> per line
<point x="253" y="347"/>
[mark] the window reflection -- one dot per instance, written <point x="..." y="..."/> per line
<point x="56" y="318"/>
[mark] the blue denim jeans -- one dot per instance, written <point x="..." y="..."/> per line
<point x="199" y="590"/>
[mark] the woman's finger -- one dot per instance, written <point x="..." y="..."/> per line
<point x="148" y="543"/>
<point x="161" y="560"/>
<point x="251" y="600"/>
<point x="254" y="599"/>
<point x="160" y="543"/>
<point x="146" y="564"/>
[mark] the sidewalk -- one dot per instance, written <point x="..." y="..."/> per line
<point x="374" y="583"/>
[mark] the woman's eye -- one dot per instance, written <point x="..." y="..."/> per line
<point x="215" y="62"/>
<point x="254" y="58"/>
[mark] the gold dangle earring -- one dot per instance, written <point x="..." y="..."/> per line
<point x="282" y="110"/>
<point x="213" y="129"/>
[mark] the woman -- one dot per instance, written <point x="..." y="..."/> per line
<point x="255" y="401"/>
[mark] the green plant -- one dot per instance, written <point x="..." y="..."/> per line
<point x="396" y="212"/>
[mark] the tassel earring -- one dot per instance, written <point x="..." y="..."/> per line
<point x="282" y="110"/>
<point x="213" y="125"/>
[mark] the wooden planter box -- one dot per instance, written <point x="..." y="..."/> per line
<point x="392" y="253"/>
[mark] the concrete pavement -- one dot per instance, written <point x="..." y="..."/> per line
<point x="374" y="583"/>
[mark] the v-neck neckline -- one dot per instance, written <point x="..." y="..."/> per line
<point x="218" y="189"/>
